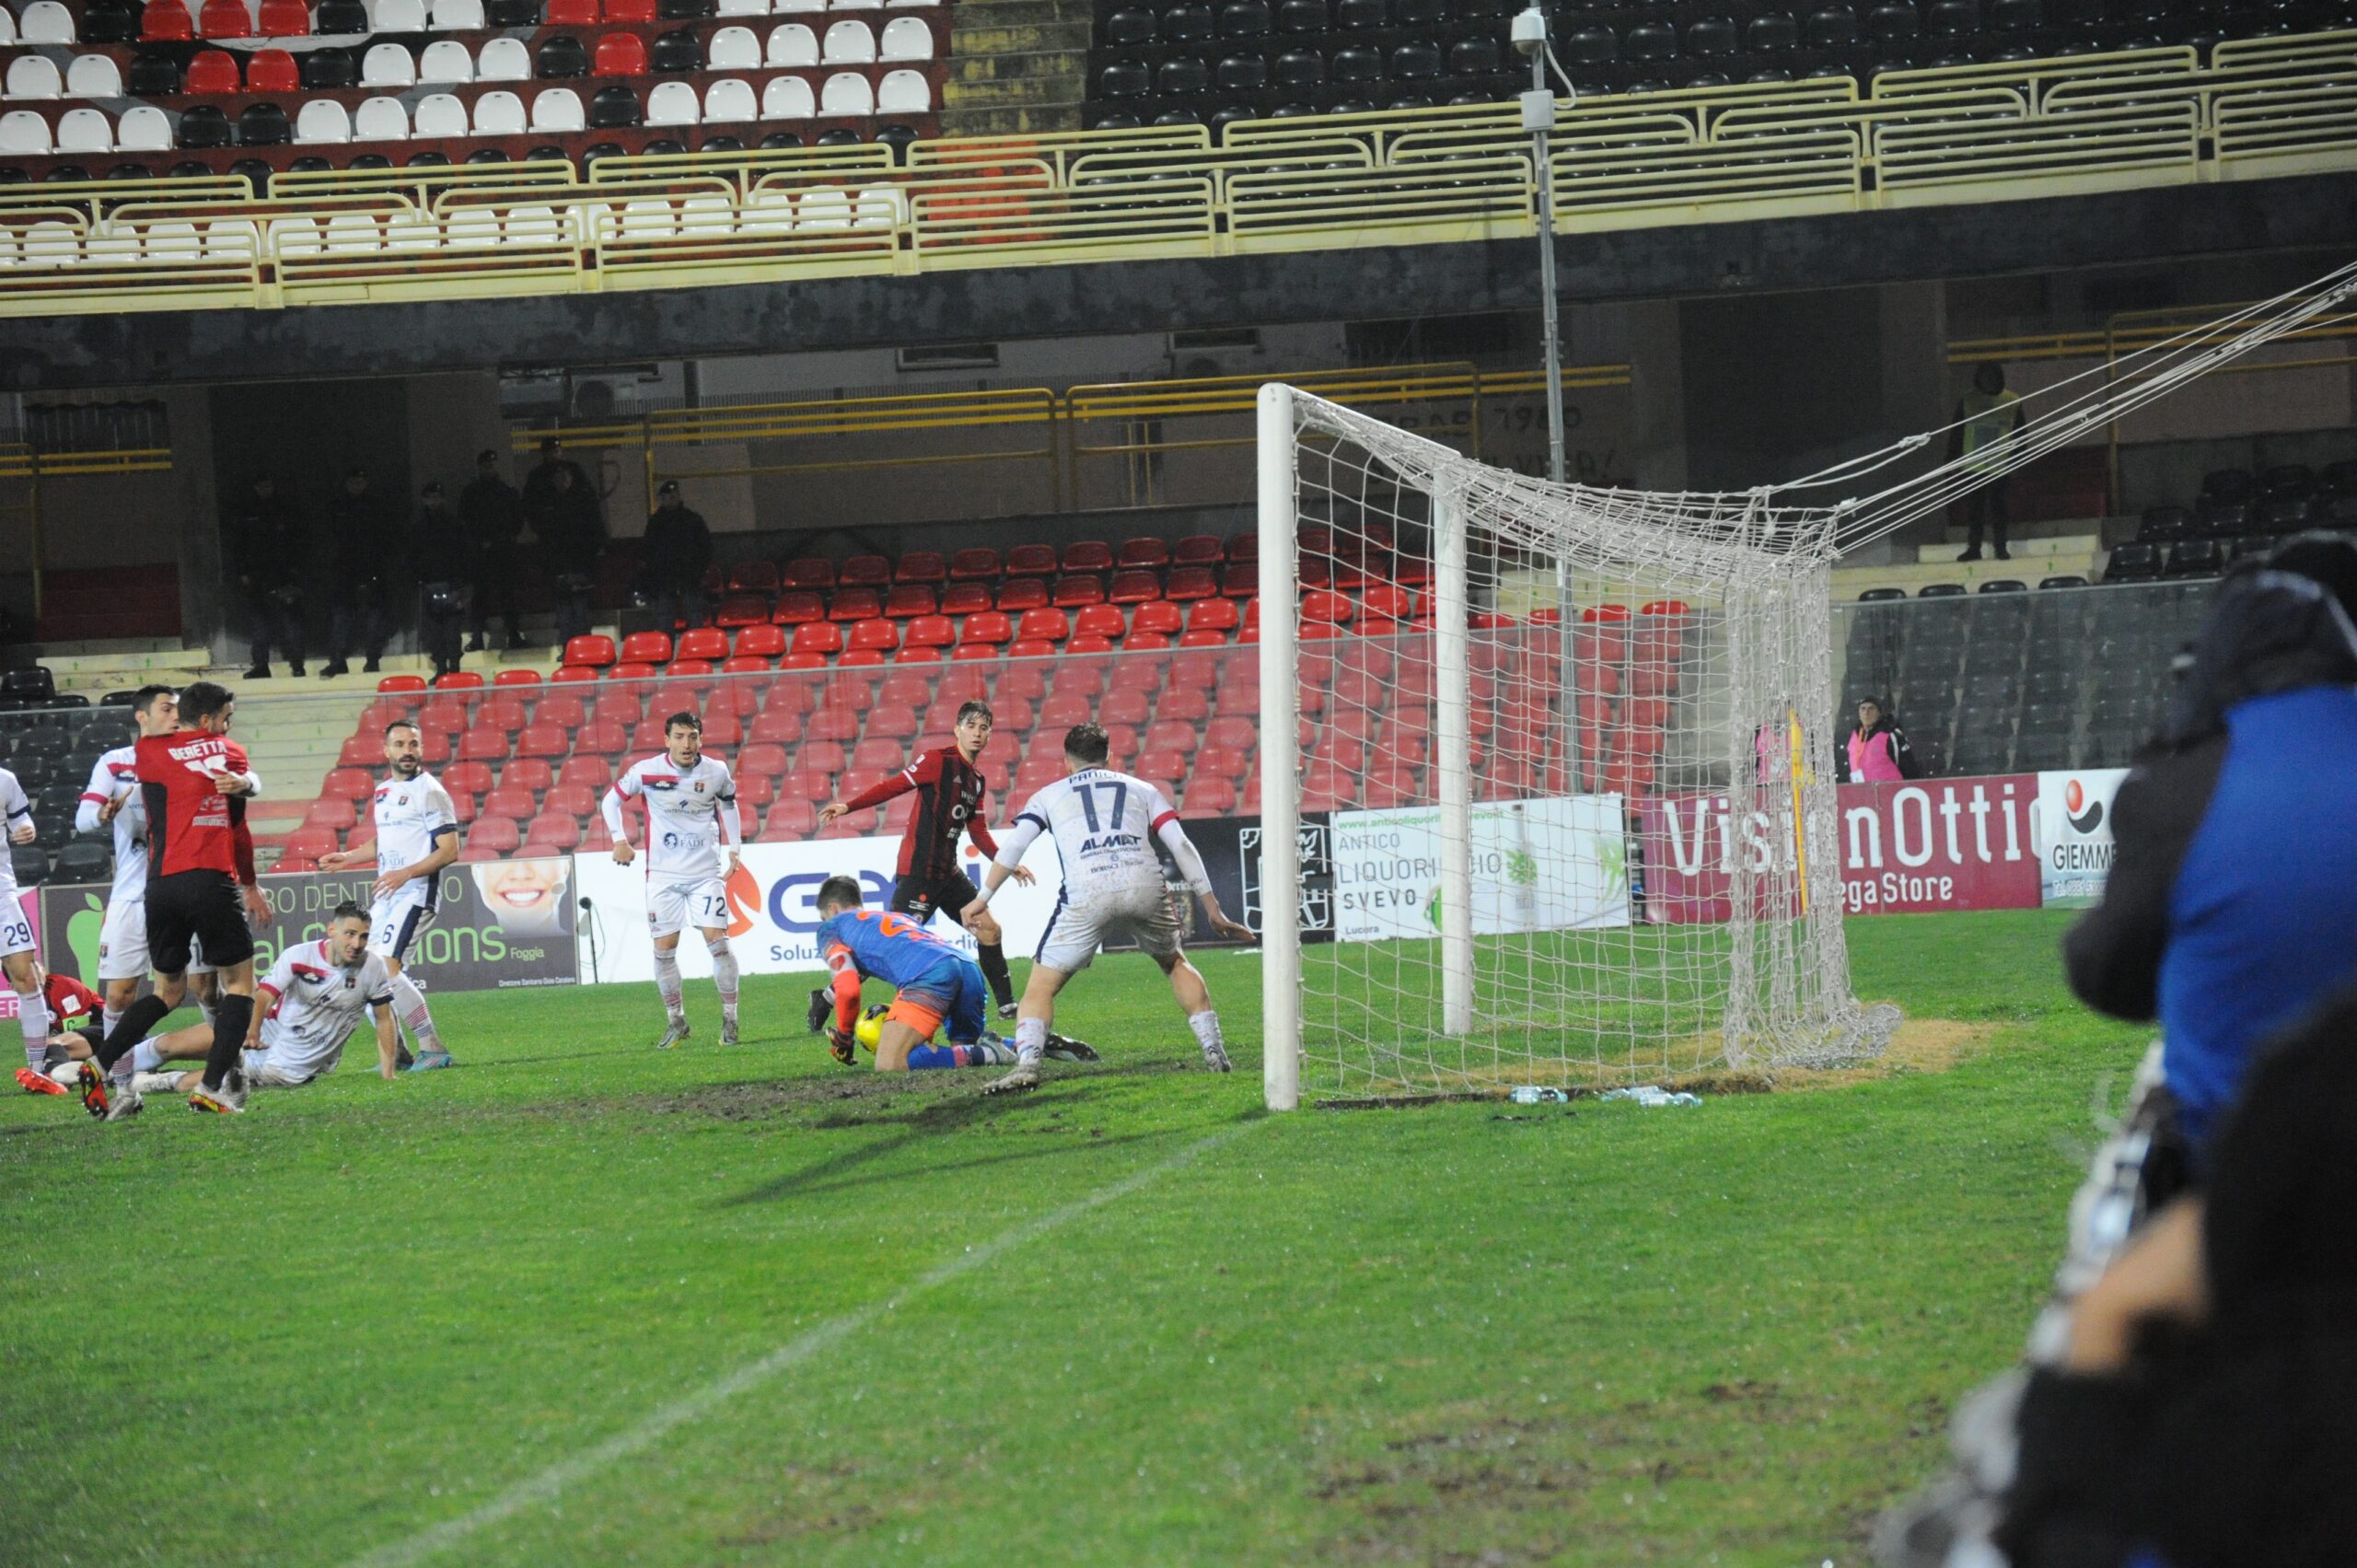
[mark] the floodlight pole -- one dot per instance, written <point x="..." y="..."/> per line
<point x="1539" y="119"/>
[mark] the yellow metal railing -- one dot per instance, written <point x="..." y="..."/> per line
<point x="2261" y="108"/>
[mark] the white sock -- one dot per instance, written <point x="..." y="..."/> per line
<point x="150" y="1083"/>
<point x="667" y="981"/>
<point x="409" y="1002"/>
<point x="1206" y="1026"/>
<point x="107" y="1018"/>
<point x="32" y="1013"/>
<point x="1030" y="1039"/>
<point x="146" y="1057"/>
<point x="724" y="974"/>
<point x="204" y="1006"/>
<point x="66" y="1073"/>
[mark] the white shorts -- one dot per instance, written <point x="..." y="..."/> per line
<point x="672" y="907"/>
<point x="263" y="1074"/>
<point x="1078" y="927"/>
<point x="123" y="943"/>
<point x="395" y="925"/>
<point x="15" y="930"/>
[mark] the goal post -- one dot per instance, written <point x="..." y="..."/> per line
<point x="1546" y="775"/>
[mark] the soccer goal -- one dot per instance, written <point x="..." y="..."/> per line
<point x="1546" y="775"/>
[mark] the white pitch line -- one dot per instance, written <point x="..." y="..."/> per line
<point x="544" y="1486"/>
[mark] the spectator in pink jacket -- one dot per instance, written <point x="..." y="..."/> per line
<point x="1878" y="751"/>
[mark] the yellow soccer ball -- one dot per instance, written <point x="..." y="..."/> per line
<point x="871" y="1027"/>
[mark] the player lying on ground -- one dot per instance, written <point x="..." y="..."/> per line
<point x="1104" y="824"/>
<point x="935" y="984"/>
<point x="951" y="795"/>
<point x="312" y="1001"/>
<point x="693" y="832"/>
<point x="417" y="838"/>
<point x="195" y="782"/>
<point x="59" y="1072"/>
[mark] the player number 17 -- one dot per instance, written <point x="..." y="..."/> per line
<point x="1120" y="793"/>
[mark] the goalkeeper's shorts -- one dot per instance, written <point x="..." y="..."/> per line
<point x="951" y="994"/>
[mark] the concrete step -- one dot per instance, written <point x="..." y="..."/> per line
<point x="971" y="14"/>
<point x="986" y="121"/>
<point x="1041" y="38"/>
<point x="1022" y="78"/>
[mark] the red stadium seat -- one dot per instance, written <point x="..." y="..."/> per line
<point x="1169" y="735"/>
<point x="796" y="606"/>
<point x="630" y="11"/>
<point x="1150" y="553"/>
<point x="761" y="642"/>
<point x="1031" y="561"/>
<point x="1208" y="797"/>
<point x="532" y="773"/>
<point x="895" y="723"/>
<point x="1125" y="706"/>
<point x="508" y="800"/>
<point x="863" y="658"/>
<point x="864" y="570"/>
<point x="346" y="784"/>
<point x="620" y="55"/>
<point x="808" y="572"/>
<point x="1134" y="587"/>
<point x="818" y="637"/>
<point x="570" y="673"/>
<point x="305" y="845"/>
<point x="920" y="566"/>
<point x="360" y="752"/>
<point x="595" y="650"/>
<point x="965" y="598"/>
<point x="1024" y="682"/>
<point x="814" y="778"/>
<point x="752" y="577"/>
<point x="974" y="564"/>
<point x="871" y="759"/>
<point x="990" y="628"/>
<point x="1100" y="621"/>
<point x="572" y="800"/>
<point x="910" y="600"/>
<point x="213" y="71"/>
<point x="1240" y="579"/>
<point x="909" y="690"/>
<point x="832" y="723"/>
<point x="1212" y="615"/>
<point x="273" y="71"/>
<point x="484" y="745"/>
<point x="1243" y="546"/>
<point x="1042" y="626"/>
<point x="790" y="820"/>
<point x="854" y="604"/>
<point x="572" y="13"/>
<point x="874" y="634"/>
<point x="931" y="632"/>
<point x="1231" y="732"/>
<point x="1160" y="619"/>
<point x="225" y="19"/>
<point x="459" y="680"/>
<point x="1332" y="609"/>
<point x="1191" y="583"/>
<point x="517" y="678"/>
<point x="1032" y="647"/>
<point x="549" y="830"/>
<point x="1087" y="555"/>
<point x="1163" y="768"/>
<point x="744" y="663"/>
<point x="1073" y="592"/>
<point x="543" y="741"/>
<point x="1142" y="641"/>
<point x="167" y="21"/>
<point x="1197" y="550"/>
<point x="401" y="683"/>
<point x="762" y="757"/>
<point x="647" y="648"/>
<point x="702" y="642"/>
<point x="773" y="725"/>
<point x="1023" y="593"/>
<point x="741" y="609"/>
<point x="629" y="671"/>
<point x="495" y="836"/>
<point x="755" y="791"/>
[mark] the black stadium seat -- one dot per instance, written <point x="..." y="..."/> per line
<point x="264" y="125"/>
<point x="1772" y="33"/>
<point x="1893" y="21"/>
<point x="1833" y="27"/>
<point x="2132" y="564"/>
<point x="1416" y="62"/>
<point x="203" y="125"/>
<point x="614" y="109"/>
<point x="370" y="160"/>
<point x="1361" y="16"/>
<point x="1129" y="29"/>
<point x="1182" y="76"/>
<point x="513" y="13"/>
<point x="1592" y="46"/>
<point x="1650" y="41"/>
<point x="1124" y="79"/>
<point x="83" y="861"/>
<point x="152" y="74"/>
<point x="676" y="52"/>
<point x="560" y="57"/>
<point x="2196" y="558"/>
<point x="327" y="70"/>
<point x="1712" y="38"/>
<point x="1302" y="18"/>
<point x="339" y="17"/>
<point x="1423" y="15"/>
<point x="2161" y="524"/>
<point x="1242" y="74"/>
<point x="432" y="159"/>
<point x="1244" y="18"/>
<point x="1953" y="19"/>
<point x="1475" y="57"/>
<point x="1188" y="24"/>
<point x="31" y="865"/>
<point x="1298" y="68"/>
<point x="1354" y="66"/>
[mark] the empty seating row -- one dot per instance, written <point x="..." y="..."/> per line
<point x="45" y="22"/>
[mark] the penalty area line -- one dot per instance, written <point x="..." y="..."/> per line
<point x="662" y="1422"/>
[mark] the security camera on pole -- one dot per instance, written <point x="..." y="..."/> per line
<point x="1539" y="119"/>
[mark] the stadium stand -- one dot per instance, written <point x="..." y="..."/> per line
<point x="106" y="91"/>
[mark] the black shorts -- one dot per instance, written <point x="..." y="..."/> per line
<point x="202" y="905"/>
<point x="917" y="896"/>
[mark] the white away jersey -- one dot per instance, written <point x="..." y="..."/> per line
<point x="16" y="810"/>
<point x="1104" y="824"/>
<point x="315" y="1004"/>
<point x="691" y="814"/>
<point x="410" y="815"/>
<point x="117" y="773"/>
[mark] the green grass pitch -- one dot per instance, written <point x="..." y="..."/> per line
<point x="577" y="1303"/>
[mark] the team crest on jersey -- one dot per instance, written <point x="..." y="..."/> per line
<point x="662" y="784"/>
<point x="699" y="786"/>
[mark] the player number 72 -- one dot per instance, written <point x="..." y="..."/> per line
<point x="1120" y="793"/>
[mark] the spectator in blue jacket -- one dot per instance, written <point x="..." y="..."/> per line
<point x="2232" y="903"/>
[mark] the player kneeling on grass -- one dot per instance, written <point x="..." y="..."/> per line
<point x="1103" y="824"/>
<point x="311" y="1002"/>
<point x="68" y="999"/>
<point x="937" y="986"/>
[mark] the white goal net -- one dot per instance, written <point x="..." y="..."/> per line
<point x="1547" y="776"/>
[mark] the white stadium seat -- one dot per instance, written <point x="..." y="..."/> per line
<point x="728" y="101"/>
<point x="673" y="103"/>
<point x="113" y="243"/>
<point x="7" y="25"/>
<point x="85" y="130"/>
<point x="93" y="75"/>
<point x="294" y="236"/>
<point x="826" y="209"/>
<point x="792" y="45"/>
<point x="351" y="233"/>
<point x="534" y="225"/>
<point x="387" y="65"/>
<point x="505" y="60"/>
<point x="897" y="5"/>
<point x="144" y="129"/>
<point x="651" y="219"/>
<point x="734" y="48"/>
<point x="744" y="8"/>
<point x="412" y="231"/>
<point x="800" y="7"/>
<point x="857" y="4"/>
<point x="877" y="207"/>
<point x="396" y="15"/>
<point x="907" y="38"/>
<point x="45" y="21"/>
<point x="557" y="110"/>
<point x="904" y="92"/>
<point x="22" y="131"/>
<point x="446" y="59"/>
<point x="705" y="217"/>
<point x="380" y="120"/>
<point x="30" y="77"/>
<point x="231" y="239"/>
<point x="439" y="116"/>
<point x="172" y="243"/>
<point x="51" y="244"/>
<point x="847" y="93"/>
<point x="786" y="98"/>
<point x="458" y="16"/>
<point x="322" y="120"/>
<point x="769" y="212"/>
<point x="499" y="113"/>
<point x="471" y="229"/>
<point x="849" y="43"/>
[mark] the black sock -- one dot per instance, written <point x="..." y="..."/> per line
<point x="130" y="1029"/>
<point x="993" y="959"/>
<point x="230" y="1016"/>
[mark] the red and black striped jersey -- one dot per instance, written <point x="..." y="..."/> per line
<point x="950" y="796"/>
<point x="191" y="826"/>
